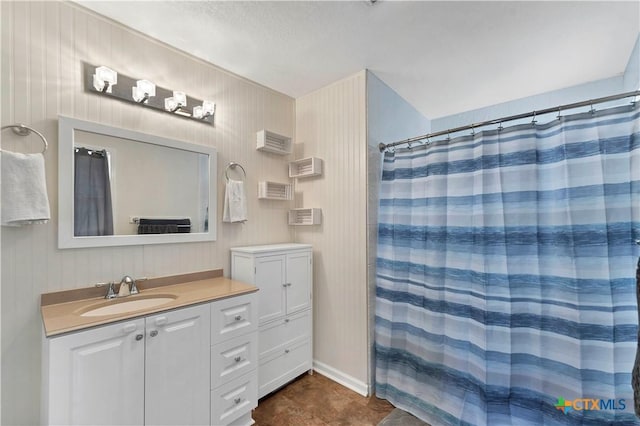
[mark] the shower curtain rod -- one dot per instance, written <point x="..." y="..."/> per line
<point x="557" y="109"/>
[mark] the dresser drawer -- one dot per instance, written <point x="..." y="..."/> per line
<point x="277" y="334"/>
<point x="233" y="358"/>
<point x="283" y="366"/>
<point x="234" y="400"/>
<point x="233" y="317"/>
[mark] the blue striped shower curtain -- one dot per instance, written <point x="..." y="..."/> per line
<point x="506" y="274"/>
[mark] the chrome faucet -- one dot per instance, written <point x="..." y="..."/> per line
<point x="127" y="286"/>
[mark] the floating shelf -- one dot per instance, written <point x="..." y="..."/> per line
<point x="305" y="167"/>
<point x="273" y="142"/>
<point x="275" y="191"/>
<point x="305" y="217"/>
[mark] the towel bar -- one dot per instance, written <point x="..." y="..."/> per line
<point x="24" y="130"/>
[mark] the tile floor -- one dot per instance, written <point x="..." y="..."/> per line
<point x="314" y="400"/>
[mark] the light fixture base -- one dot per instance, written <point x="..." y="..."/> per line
<point x="123" y="92"/>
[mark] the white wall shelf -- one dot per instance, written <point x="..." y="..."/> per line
<point x="305" y="217"/>
<point x="275" y="191"/>
<point x="273" y="142"/>
<point x="305" y="167"/>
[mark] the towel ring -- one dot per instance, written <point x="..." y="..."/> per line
<point x="24" y="130"/>
<point x="233" y="165"/>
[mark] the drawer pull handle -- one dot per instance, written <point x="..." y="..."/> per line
<point x="237" y="401"/>
<point x="153" y="333"/>
<point x="237" y="359"/>
<point x="286" y="285"/>
<point x="238" y="317"/>
<point x="139" y="337"/>
<point x="286" y="320"/>
<point x="128" y="328"/>
<point x="286" y="351"/>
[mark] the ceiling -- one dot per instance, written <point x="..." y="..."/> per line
<point x="443" y="57"/>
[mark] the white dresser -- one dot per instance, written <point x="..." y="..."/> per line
<point x="283" y="273"/>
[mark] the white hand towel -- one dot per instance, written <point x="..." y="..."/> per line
<point x="235" y="202"/>
<point x="24" y="190"/>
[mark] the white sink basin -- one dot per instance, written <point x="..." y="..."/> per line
<point x="125" y="306"/>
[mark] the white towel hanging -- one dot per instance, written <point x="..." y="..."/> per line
<point x="24" y="190"/>
<point x="235" y="202"/>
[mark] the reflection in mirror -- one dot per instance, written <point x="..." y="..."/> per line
<point x="119" y="187"/>
<point x="120" y="182"/>
<point x="92" y="207"/>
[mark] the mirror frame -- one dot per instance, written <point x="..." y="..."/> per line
<point x="66" y="238"/>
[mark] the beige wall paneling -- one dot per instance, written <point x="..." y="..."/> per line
<point x="43" y="47"/>
<point x="331" y="124"/>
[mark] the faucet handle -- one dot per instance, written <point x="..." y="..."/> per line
<point x="134" y="287"/>
<point x="111" y="294"/>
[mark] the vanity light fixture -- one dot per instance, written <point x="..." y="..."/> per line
<point x="104" y="79"/>
<point x="205" y="110"/>
<point x="175" y="102"/>
<point x="143" y="90"/>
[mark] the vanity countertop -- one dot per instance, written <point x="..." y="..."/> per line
<point x="62" y="311"/>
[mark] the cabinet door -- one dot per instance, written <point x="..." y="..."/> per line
<point x="270" y="279"/>
<point x="96" y="376"/>
<point x="299" y="276"/>
<point x="177" y="367"/>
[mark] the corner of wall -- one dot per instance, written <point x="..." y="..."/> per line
<point x="331" y="125"/>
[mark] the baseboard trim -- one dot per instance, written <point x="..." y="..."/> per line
<point x="342" y="378"/>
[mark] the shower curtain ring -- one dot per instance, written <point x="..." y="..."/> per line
<point x="500" y="128"/>
<point x="558" y="117"/>
<point x="592" y="110"/>
<point x="533" y="120"/>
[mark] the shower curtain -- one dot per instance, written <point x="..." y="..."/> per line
<point x="92" y="209"/>
<point x="506" y="274"/>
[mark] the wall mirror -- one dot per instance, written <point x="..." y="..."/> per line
<point x="121" y="187"/>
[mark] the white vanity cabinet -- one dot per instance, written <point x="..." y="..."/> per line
<point x="283" y="273"/>
<point x="152" y="370"/>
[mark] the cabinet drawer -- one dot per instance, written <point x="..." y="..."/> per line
<point x="233" y="317"/>
<point x="277" y="334"/>
<point x="233" y="358"/>
<point x="278" y="369"/>
<point x="234" y="399"/>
